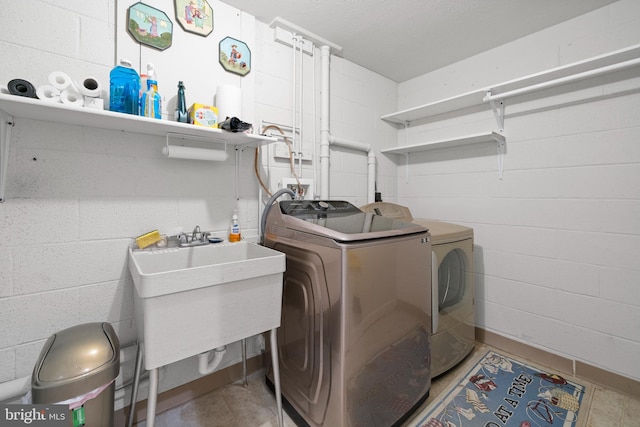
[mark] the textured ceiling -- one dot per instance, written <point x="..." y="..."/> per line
<point x="402" y="39"/>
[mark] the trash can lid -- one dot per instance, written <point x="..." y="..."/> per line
<point x="75" y="361"/>
<point x="77" y="351"/>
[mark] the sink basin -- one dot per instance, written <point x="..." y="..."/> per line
<point x="159" y="272"/>
<point x="191" y="300"/>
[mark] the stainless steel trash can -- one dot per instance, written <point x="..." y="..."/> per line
<point x="77" y="366"/>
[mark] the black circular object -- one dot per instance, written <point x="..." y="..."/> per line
<point x="21" y="88"/>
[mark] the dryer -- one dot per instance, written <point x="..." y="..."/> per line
<point x="453" y="293"/>
<point x="354" y="340"/>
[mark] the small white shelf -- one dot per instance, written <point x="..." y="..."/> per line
<point x="610" y="62"/>
<point x="452" y="142"/>
<point x="28" y="108"/>
<point x="15" y="107"/>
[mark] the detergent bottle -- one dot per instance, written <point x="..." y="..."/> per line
<point x="124" y="88"/>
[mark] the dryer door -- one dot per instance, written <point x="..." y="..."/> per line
<point x="454" y="284"/>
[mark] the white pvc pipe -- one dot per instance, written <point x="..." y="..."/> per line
<point x="371" y="162"/>
<point x="313" y="111"/>
<point x="324" y="122"/>
<point x="15" y="388"/>
<point x="294" y="43"/>
<point x="206" y="366"/>
<point x="301" y="104"/>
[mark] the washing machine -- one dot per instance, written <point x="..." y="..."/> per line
<point x="354" y="339"/>
<point x="452" y="286"/>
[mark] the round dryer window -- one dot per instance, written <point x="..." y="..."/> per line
<point x="451" y="279"/>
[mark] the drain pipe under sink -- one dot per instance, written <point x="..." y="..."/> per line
<point x="206" y="366"/>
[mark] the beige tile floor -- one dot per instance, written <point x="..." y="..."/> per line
<point x="254" y="406"/>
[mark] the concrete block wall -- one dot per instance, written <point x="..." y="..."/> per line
<point x="76" y="196"/>
<point x="557" y="240"/>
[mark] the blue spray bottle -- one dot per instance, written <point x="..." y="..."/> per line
<point x="151" y="102"/>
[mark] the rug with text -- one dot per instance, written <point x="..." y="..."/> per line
<point x="503" y="392"/>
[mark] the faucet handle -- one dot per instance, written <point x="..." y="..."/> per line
<point x="182" y="237"/>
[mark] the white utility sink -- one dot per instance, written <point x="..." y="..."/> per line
<point x="191" y="300"/>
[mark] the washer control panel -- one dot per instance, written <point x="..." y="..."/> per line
<point x="306" y="207"/>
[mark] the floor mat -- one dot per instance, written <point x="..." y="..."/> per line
<point x="500" y="391"/>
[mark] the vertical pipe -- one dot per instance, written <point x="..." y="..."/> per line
<point x="324" y="123"/>
<point x="294" y="43"/>
<point x="300" y="104"/>
<point x="313" y="115"/>
<point x="371" y="176"/>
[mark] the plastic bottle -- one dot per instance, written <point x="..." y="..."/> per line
<point x="181" y="110"/>
<point x="151" y="101"/>
<point x="143" y="90"/>
<point x="124" y="88"/>
<point x="234" y="231"/>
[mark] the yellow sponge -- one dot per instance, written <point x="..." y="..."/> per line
<point x="148" y="239"/>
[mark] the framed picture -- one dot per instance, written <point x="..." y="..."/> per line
<point x="195" y="16"/>
<point x="235" y="56"/>
<point x="150" y="26"/>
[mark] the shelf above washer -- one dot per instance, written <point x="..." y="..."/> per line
<point x="14" y="107"/>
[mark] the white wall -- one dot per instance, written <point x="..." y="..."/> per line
<point x="558" y="239"/>
<point x="76" y="196"/>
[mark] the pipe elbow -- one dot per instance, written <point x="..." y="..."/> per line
<point x="206" y="366"/>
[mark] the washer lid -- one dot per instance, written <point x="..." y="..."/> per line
<point x="342" y="221"/>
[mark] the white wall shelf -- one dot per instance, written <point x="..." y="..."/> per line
<point x="451" y="142"/>
<point x="15" y="107"/>
<point x="495" y="95"/>
<point x="610" y="62"/>
<point x="496" y="137"/>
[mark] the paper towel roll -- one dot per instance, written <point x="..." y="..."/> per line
<point x="48" y="93"/>
<point x="60" y="80"/>
<point x="229" y="102"/>
<point x="90" y="86"/>
<point x="178" y="152"/>
<point x="71" y="97"/>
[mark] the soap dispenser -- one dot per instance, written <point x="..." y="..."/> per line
<point x="234" y="230"/>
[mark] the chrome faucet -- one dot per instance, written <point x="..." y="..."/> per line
<point x="197" y="238"/>
<point x="197" y="234"/>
